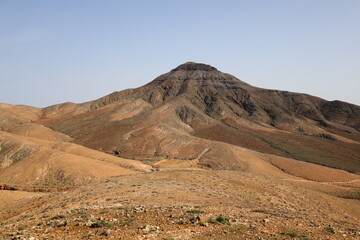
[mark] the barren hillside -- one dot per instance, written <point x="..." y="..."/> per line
<point x="194" y="154"/>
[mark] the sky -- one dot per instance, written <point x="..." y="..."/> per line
<point x="58" y="51"/>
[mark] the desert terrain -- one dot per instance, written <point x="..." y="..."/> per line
<point x="194" y="154"/>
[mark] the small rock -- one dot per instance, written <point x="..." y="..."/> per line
<point x="19" y="237"/>
<point x="146" y="228"/>
<point x="195" y="219"/>
<point x="106" y="233"/>
<point x="61" y="223"/>
<point x="204" y="224"/>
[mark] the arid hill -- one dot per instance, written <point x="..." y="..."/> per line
<point x="197" y="112"/>
<point x="196" y="102"/>
<point x="194" y="154"/>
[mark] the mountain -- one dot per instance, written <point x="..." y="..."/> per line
<point x="194" y="154"/>
<point x="195" y="103"/>
<point x="195" y="112"/>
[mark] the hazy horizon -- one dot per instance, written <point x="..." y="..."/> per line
<point x="55" y="52"/>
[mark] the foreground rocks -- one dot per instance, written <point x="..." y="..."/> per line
<point x="189" y="205"/>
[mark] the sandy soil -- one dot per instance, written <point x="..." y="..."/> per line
<point x="180" y="204"/>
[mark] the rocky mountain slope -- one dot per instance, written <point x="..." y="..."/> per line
<point x="194" y="102"/>
<point x="194" y="154"/>
<point x="197" y="112"/>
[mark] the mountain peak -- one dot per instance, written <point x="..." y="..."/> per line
<point x="192" y="66"/>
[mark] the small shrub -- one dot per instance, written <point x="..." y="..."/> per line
<point x="289" y="234"/>
<point x="260" y="211"/>
<point x="100" y="224"/>
<point x="129" y="221"/>
<point x="222" y="220"/>
<point x="58" y="217"/>
<point x="213" y="221"/>
<point x="195" y="211"/>
<point x="219" y="220"/>
<point x="294" y="235"/>
<point x="96" y="225"/>
<point x="330" y="229"/>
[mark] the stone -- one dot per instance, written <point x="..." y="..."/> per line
<point x="146" y="228"/>
<point x="106" y="233"/>
<point x="62" y="223"/>
<point x="204" y="224"/>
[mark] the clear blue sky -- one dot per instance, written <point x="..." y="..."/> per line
<point x="57" y="51"/>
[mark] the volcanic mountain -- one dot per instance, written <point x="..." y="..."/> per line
<point x="172" y="116"/>
<point x="192" y="136"/>
<point x="195" y="112"/>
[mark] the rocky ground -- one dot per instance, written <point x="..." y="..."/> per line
<point x="182" y="204"/>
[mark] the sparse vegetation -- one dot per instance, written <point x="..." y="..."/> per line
<point x="222" y="220"/>
<point x="129" y="221"/>
<point x="330" y="229"/>
<point x="100" y="224"/>
<point x="261" y="211"/>
<point x="289" y="234"/>
<point x="195" y="211"/>
<point x="349" y="195"/>
<point x="219" y="220"/>
<point x="58" y="217"/>
<point x="294" y="235"/>
<point x="213" y="221"/>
